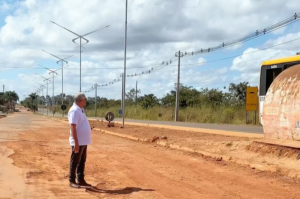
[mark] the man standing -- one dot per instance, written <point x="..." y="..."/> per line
<point x="80" y="137"/>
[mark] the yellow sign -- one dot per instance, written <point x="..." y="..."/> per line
<point x="251" y="99"/>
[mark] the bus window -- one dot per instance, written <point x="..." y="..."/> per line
<point x="267" y="77"/>
<point x="271" y="75"/>
<point x="286" y="66"/>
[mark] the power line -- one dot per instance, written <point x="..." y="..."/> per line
<point x="250" y="36"/>
<point x="206" y="62"/>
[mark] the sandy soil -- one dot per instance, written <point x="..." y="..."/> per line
<point x="119" y="168"/>
<point x="280" y="160"/>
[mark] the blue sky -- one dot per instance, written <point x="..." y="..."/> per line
<point x="153" y="37"/>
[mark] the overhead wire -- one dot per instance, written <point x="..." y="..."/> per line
<point x="205" y="62"/>
<point x="248" y="37"/>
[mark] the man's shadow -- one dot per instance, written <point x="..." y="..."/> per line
<point x="127" y="190"/>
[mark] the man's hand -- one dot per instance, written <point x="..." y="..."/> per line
<point x="74" y="135"/>
<point x="76" y="147"/>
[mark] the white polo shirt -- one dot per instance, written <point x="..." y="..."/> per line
<point x="76" y="116"/>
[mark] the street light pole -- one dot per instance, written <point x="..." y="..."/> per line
<point x="96" y="87"/>
<point x="80" y="63"/>
<point x="52" y="89"/>
<point x="62" y="75"/>
<point x="80" y="37"/>
<point x="47" y="80"/>
<point x="53" y="73"/>
<point x="124" y="73"/>
<point x="42" y="88"/>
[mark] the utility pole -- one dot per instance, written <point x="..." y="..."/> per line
<point x="179" y="55"/>
<point x="80" y="37"/>
<point x="124" y="74"/>
<point x="53" y="73"/>
<point x="136" y="93"/>
<point x="96" y="87"/>
<point x="62" y="75"/>
<point x="3" y="88"/>
<point x="122" y="97"/>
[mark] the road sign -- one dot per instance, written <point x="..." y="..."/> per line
<point x="120" y="112"/>
<point x="251" y="99"/>
<point x="109" y="116"/>
<point x="63" y="107"/>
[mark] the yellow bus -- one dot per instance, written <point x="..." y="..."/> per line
<point x="269" y="71"/>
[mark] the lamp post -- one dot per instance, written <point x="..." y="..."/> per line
<point x="80" y="37"/>
<point x="47" y="81"/>
<point x="62" y="75"/>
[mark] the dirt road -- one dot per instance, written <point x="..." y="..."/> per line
<point x="119" y="168"/>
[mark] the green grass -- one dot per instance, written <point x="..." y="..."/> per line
<point x="221" y="115"/>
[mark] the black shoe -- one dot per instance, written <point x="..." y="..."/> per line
<point x="74" y="185"/>
<point x="83" y="184"/>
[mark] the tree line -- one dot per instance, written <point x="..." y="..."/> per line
<point x="189" y="97"/>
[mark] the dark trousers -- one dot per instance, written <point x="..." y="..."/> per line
<point x="77" y="163"/>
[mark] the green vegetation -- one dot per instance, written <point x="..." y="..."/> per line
<point x="189" y="114"/>
<point x="200" y="106"/>
<point x="8" y="101"/>
<point x="204" y="106"/>
<point x="30" y="101"/>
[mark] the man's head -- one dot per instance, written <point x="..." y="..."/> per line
<point x="80" y="100"/>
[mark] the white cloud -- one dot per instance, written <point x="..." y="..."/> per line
<point x="156" y="30"/>
<point x="251" y="62"/>
<point x="294" y="45"/>
<point x="5" y="6"/>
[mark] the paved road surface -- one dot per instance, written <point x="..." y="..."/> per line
<point x="224" y="127"/>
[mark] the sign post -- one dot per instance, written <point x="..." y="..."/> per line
<point x="251" y="101"/>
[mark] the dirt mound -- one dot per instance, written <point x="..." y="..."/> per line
<point x="274" y="150"/>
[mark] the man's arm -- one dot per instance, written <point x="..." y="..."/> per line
<point x="74" y="135"/>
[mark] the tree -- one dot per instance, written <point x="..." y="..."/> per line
<point x="33" y="96"/>
<point x="10" y="97"/>
<point x="148" y="101"/>
<point x="69" y="100"/>
<point x="1" y="98"/>
<point x="215" y="97"/>
<point x="188" y="96"/>
<point x="239" y="91"/>
<point x="130" y="96"/>
<point x="169" y="99"/>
